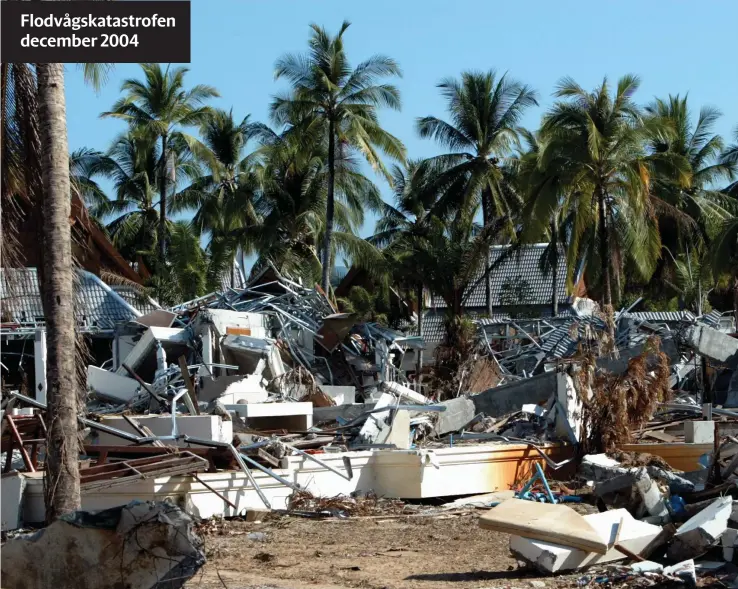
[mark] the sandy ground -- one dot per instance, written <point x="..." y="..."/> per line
<point x="413" y="553"/>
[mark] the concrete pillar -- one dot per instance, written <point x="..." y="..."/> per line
<point x="39" y="355"/>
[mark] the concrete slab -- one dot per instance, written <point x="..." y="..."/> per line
<point x="13" y="485"/>
<point x="544" y="521"/>
<point x="712" y="343"/>
<point x="699" y="432"/>
<point x="399" y="431"/>
<point x="174" y="341"/>
<point x="228" y="322"/>
<point x="508" y="398"/>
<point x="111" y="385"/>
<point x="265" y="416"/>
<point x="549" y="557"/>
<point x="700" y="532"/>
<point x="347" y="412"/>
<point x="459" y="412"/>
<point x="234" y="389"/>
<point x="207" y="427"/>
<point x="406" y="394"/>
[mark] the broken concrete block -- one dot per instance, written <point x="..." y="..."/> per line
<point x="13" y="486"/>
<point x="375" y="422"/>
<point x="139" y="545"/>
<point x="647" y="566"/>
<point x="459" y="412"/>
<point x="699" y="533"/>
<point x="234" y="389"/>
<point x="406" y="394"/>
<point x="699" y="432"/>
<point x="569" y="409"/>
<point x="507" y="398"/>
<point x="635" y="490"/>
<point x="684" y="570"/>
<point x="173" y="341"/>
<point x="399" y="431"/>
<point x="599" y="467"/>
<point x="546" y="522"/>
<point x="205" y="427"/>
<point x="110" y="385"/>
<point x="728" y="541"/>
<point x="266" y="416"/>
<point x="548" y="557"/>
<point x="712" y="343"/>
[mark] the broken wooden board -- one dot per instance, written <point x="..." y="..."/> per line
<point x="542" y="521"/>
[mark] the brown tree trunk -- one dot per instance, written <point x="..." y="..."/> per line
<point x="162" y="228"/>
<point x="419" y="364"/>
<point x="62" y="491"/>
<point x="605" y="262"/>
<point x="329" y="210"/>
<point x="735" y="300"/>
<point x="486" y="213"/>
<point x="555" y="269"/>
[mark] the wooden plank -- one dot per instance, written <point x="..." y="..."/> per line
<point x="558" y="524"/>
<point x="17" y="437"/>
<point x="188" y="383"/>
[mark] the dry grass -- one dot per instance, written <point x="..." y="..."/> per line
<point x="369" y="504"/>
<point x="622" y="403"/>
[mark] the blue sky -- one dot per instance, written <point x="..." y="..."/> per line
<point x="675" y="46"/>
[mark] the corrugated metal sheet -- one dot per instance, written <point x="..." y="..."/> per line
<point x="661" y="316"/>
<point x="95" y="308"/>
<point x="522" y="264"/>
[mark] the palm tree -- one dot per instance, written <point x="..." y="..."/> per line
<point x="546" y="208"/>
<point x="690" y="214"/>
<point x="132" y="163"/>
<point x="223" y="197"/>
<point x="724" y="257"/>
<point x="62" y="466"/>
<point x="485" y="113"/>
<point x="730" y="157"/>
<point x="343" y="103"/>
<point x="291" y="205"/>
<point x="599" y="137"/>
<point x="162" y="107"/>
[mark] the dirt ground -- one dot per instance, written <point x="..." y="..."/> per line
<point x="412" y="553"/>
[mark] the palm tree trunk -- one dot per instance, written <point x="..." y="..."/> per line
<point x="486" y="205"/>
<point x="233" y="270"/>
<point x="162" y="229"/>
<point x="62" y="486"/>
<point x="555" y="269"/>
<point x="735" y="299"/>
<point x="329" y="209"/>
<point x="605" y="261"/>
<point x="419" y="364"/>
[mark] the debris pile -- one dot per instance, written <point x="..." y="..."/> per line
<point x="267" y="398"/>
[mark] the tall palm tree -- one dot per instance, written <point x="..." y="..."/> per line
<point x="162" y="107"/>
<point x="691" y="213"/>
<point x="344" y="103"/>
<point x="133" y="218"/>
<point x="730" y="157"/>
<point x="600" y="137"/>
<point x="291" y="203"/>
<point x="485" y="115"/>
<point x="724" y="257"/>
<point x="62" y="466"/>
<point x="222" y="198"/>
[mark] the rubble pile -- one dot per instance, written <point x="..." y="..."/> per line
<point x="268" y="398"/>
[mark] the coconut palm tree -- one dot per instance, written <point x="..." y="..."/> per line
<point x="599" y="136"/>
<point x="133" y="217"/>
<point x="291" y="202"/>
<point x="62" y="465"/>
<point x="689" y="214"/>
<point x="343" y="102"/>
<point x="724" y="257"/>
<point x="222" y="198"/>
<point x="485" y="113"/>
<point x="730" y="157"/>
<point x="161" y="106"/>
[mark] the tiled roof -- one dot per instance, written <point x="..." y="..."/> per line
<point x="142" y="303"/>
<point x="661" y="316"/>
<point x="96" y="306"/>
<point x="522" y="263"/>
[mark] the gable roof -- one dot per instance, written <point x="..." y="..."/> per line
<point x="97" y="307"/>
<point x="522" y="263"/>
